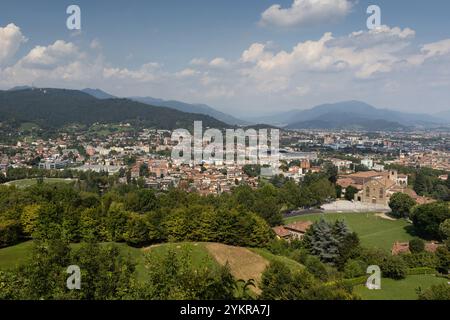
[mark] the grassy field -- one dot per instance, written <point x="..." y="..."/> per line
<point x="10" y="257"/>
<point x="25" y="183"/>
<point x="197" y="252"/>
<point x="400" y="290"/>
<point x="244" y="263"/>
<point x="373" y="230"/>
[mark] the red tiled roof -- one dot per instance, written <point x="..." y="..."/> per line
<point x="400" y="247"/>
<point x="281" y="231"/>
<point x="299" y="226"/>
<point x="403" y="247"/>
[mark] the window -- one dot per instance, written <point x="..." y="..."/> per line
<point x="381" y="193"/>
<point x="367" y="192"/>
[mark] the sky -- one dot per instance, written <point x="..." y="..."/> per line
<point x="246" y="58"/>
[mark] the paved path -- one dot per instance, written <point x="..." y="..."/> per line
<point x="348" y="206"/>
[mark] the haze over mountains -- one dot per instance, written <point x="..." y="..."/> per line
<point x="60" y="106"/>
<point x="351" y="114"/>
<point x="173" y="104"/>
<point x="343" y="115"/>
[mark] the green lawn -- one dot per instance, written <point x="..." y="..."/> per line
<point x="373" y="231"/>
<point x="292" y="264"/>
<point x="400" y="290"/>
<point x="25" y="183"/>
<point x="198" y="253"/>
<point x="10" y="257"/>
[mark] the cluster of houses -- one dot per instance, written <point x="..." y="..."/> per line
<point x="377" y="187"/>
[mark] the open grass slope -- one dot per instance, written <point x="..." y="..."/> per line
<point x="244" y="263"/>
<point x="373" y="230"/>
<point x="405" y="289"/>
<point x="11" y="257"/>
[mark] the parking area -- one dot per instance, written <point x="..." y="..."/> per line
<point x="349" y="206"/>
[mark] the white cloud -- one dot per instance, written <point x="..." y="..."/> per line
<point x="198" y="62"/>
<point x="54" y="55"/>
<point x="254" y="53"/>
<point x="11" y="39"/>
<point x="383" y="65"/>
<point x="146" y="73"/>
<point x="304" y="12"/>
<point x="364" y="54"/>
<point x="188" y="72"/>
<point x="219" y="63"/>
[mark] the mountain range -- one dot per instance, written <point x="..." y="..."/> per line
<point x="350" y="115"/>
<point x="59" y="107"/>
<point x="174" y="104"/>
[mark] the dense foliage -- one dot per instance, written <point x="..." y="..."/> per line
<point x="58" y="107"/>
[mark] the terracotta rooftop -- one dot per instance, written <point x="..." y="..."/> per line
<point x="299" y="226"/>
<point x="403" y="247"/>
<point x="366" y="174"/>
<point x="281" y="231"/>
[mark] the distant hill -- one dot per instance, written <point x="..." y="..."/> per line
<point x="19" y="88"/>
<point x="99" y="94"/>
<point x="59" y="107"/>
<point x="444" y="115"/>
<point x="351" y="114"/>
<point x="191" y="108"/>
<point x="350" y="123"/>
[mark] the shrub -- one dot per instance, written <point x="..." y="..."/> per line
<point x="401" y="205"/>
<point x="428" y="217"/>
<point x="354" y="269"/>
<point x="316" y="267"/>
<point x="394" y="268"/>
<point x="9" y="233"/>
<point x="417" y="246"/>
<point x="438" y="292"/>
<point x="422" y="259"/>
<point x="420" y="271"/>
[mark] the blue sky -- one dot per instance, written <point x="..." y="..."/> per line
<point x="193" y="50"/>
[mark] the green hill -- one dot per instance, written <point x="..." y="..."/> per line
<point x="244" y="263"/>
<point x="372" y="229"/>
<point x="58" y="107"/>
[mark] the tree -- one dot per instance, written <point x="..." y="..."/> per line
<point x="280" y="283"/>
<point x="350" y="192"/>
<point x="116" y="222"/>
<point x="354" y="269"/>
<point x="10" y="232"/>
<point x="422" y="183"/>
<point x="267" y="205"/>
<point x="401" y="205"/>
<point x="444" y="229"/>
<point x="436" y="292"/>
<point x="443" y="255"/>
<point x="322" y="190"/>
<point x="105" y="273"/>
<point x="416" y="246"/>
<point x="321" y="241"/>
<point x="428" y="217"/>
<point x="174" y="277"/>
<point x="136" y="230"/>
<point x="394" y="267"/>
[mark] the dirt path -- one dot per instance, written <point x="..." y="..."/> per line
<point x="244" y="264"/>
<point x="385" y="216"/>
